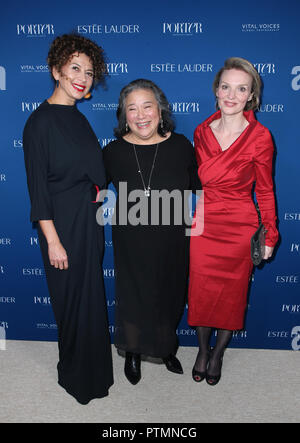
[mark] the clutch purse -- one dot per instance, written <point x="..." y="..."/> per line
<point x="258" y="241"/>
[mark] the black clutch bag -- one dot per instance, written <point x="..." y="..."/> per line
<point x="258" y="241"/>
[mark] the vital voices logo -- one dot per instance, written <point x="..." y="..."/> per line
<point x="260" y="27"/>
<point x="182" y="28"/>
<point x="2" y="79"/>
<point x="49" y="326"/>
<point x="104" y="106"/>
<point x="296" y="80"/>
<point x="34" y="68"/>
<point x="35" y="30"/>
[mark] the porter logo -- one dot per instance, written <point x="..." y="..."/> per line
<point x="185" y="28"/>
<point x="108" y="272"/>
<point x="30" y="106"/>
<point x="35" y="30"/>
<point x="45" y="301"/>
<point x="104" y="141"/>
<point x="117" y="68"/>
<point x="184" y="107"/>
<point x="265" y="68"/>
<point x="295" y="247"/>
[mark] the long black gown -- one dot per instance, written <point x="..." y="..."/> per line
<point x="151" y="261"/>
<point x="63" y="162"/>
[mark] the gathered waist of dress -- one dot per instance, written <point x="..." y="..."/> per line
<point x="212" y="195"/>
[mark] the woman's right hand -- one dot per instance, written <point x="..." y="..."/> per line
<point x="56" y="252"/>
<point x="57" y="255"/>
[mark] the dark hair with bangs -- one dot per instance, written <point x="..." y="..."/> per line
<point x="167" y="124"/>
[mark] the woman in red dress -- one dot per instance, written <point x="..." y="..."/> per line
<point x="233" y="151"/>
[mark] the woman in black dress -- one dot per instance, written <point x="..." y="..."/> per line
<point x="63" y="163"/>
<point x="151" y="257"/>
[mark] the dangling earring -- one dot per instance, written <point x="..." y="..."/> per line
<point x="88" y="95"/>
<point x="126" y="127"/>
<point x="57" y="83"/>
<point x="161" y="123"/>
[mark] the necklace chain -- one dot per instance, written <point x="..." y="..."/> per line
<point x="148" y="189"/>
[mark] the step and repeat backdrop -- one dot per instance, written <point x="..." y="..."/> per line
<point x="180" y="45"/>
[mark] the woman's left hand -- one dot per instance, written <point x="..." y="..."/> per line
<point x="268" y="252"/>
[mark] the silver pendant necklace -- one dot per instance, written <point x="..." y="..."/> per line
<point x="146" y="189"/>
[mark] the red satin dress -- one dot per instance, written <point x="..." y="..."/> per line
<point x="220" y="261"/>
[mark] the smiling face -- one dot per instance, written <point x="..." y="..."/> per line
<point x="142" y="115"/>
<point x="234" y="91"/>
<point x="75" y="79"/>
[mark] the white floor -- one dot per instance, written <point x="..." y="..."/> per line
<point x="256" y="386"/>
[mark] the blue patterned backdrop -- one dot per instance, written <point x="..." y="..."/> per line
<point x="180" y="45"/>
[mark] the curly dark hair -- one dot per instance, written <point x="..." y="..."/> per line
<point x="63" y="47"/>
<point x="167" y="123"/>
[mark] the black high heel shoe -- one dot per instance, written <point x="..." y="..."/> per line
<point x="212" y="380"/>
<point x="198" y="376"/>
<point x="132" y="367"/>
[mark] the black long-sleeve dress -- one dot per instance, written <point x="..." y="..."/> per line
<point x="151" y="260"/>
<point x="63" y="162"/>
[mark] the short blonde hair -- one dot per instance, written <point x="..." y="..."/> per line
<point x="243" y="65"/>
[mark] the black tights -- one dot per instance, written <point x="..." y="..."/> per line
<point x="223" y="338"/>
